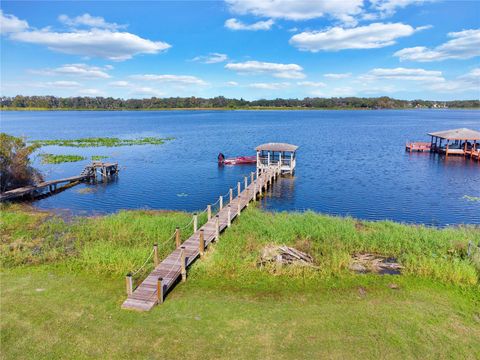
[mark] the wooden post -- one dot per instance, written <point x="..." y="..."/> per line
<point x="160" y="290"/>
<point x="221" y="202"/>
<point x="155" y="254"/>
<point x="239" y="206"/>
<point x="239" y="190"/>
<point x="129" y="283"/>
<point x="201" y="243"/>
<point x="177" y="237"/>
<point x="246" y="182"/>
<point x="183" y="264"/>
<point x="217" y="227"/>
<point x="231" y="194"/>
<point x="255" y="192"/>
<point x="209" y="211"/>
<point x="260" y="189"/>
<point x="251" y="177"/>
<point x="229" y="216"/>
<point x="195" y="222"/>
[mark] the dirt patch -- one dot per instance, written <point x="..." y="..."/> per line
<point x="374" y="263"/>
<point x="284" y="255"/>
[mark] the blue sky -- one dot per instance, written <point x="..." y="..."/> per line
<point x="408" y="49"/>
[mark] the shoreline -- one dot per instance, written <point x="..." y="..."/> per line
<point x="232" y="109"/>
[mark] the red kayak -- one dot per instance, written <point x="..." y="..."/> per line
<point x="239" y="160"/>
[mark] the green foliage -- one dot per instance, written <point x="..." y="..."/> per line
<point x="99" y="157"/>
<point x="58" y="159"/>
<point x="15" y="168"/>
<point x="96" y="142"/>
<point x="220" y="102"/>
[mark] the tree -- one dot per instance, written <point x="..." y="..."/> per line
<point x="15" y="168"/>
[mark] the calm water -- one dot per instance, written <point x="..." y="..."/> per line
<point x="349" y="162"/>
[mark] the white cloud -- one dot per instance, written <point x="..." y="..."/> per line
<point x="389" y="7"/>
<point x="466" y="82"/>
<point x="315" y="84"/>
<point x="101" y="41"/>
<point x="11" y="24"/>
<point x="180" y="80"/>
<point x="120" y="83"/>
<point x="64" y="84"/>
<point x="234" y="24"/>
<point x="211" y="58"/>
<point x="371" y="36"/>
<point x="79" y="70"/>
<point x="421" y="75"/>
<point x="270" y="86"/>
<point x="89" y="21"/>
<point x="91" y="92"/>
<point x="285" y="71"/>
<point x="464" y="45"/>
<point x="146" y="91"/>
<point x="232" y="83"/>
<point x="93" y="43"/>
<point x="343" y="10"/>
<point x="338" y="75"/>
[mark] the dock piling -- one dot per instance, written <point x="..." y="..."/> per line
<point x="221" y="202"/>
<point x="209" y="211"/>
<point x="217" y="227"/>
<point x="183" y="264"/>
<point x="231" y="195"/>
<point x="239" y="190"/>
<point x="155" y="255"/>
<point x="129" y="283"/>
<point x="177" y="237"/>
<point x="229" y="216"/>
<point x="201" y="243"/>
<point x="160" y="290"/>
<point x="195" y="222"/>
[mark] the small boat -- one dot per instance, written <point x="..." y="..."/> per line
<point x="239" y="160"/>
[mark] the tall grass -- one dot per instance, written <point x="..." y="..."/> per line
<point x="119" y="243"/>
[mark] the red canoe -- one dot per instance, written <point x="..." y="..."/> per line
<point x="239" y="160"/>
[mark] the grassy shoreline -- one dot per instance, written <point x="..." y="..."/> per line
<point x="253" y="108"/>
<point x="64" y="279"/>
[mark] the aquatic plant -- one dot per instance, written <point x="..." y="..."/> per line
<point x="98" y="157"/>
<point x="58" y="159"/>
<point x="96" y="142"/>
<point x="471" y="198"/>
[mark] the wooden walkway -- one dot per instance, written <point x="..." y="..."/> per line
<point x="87" y="173"/>
<point x="164" y="276"/>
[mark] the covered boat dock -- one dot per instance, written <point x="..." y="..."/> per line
<point x="276" y="154"/>
<point x="462" y="141"/>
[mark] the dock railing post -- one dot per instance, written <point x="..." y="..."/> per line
<point x="221" y="202"/>
<point x="229" y="216"/>
<point x="238" y="188"/>
<point x="255" y="192"/>
<point x="177" y="237"/>
<point x="217" y="227"/>
<point x="246" y="182"/>
<point x="129" y="283"/>
<point x="251" y="177"/>
<point x="160" y="290"/>
<point x="201" y="243"/>
<point x="231" y="194"/>
<point x="183" y="264"/>
<point x="155" y="254"/>
<point x="239" y="206"/>
<point x="260" y="188"/>
<point x="195" y="222"/>
<point x="209" y="212"/>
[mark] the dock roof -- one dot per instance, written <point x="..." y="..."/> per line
<point x="457" y="134"/>
<point x="277" y="147"/>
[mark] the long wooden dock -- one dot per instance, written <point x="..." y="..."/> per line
<point x="167" y="273"/>
<point x="89" y="172"/>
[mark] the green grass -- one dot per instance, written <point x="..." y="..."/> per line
<point x="99" y="157"/>
<point x="63" y="284"/>
<point x="58" y="159"/>
<point x="96" y="142"/>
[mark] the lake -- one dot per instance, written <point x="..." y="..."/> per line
<point x="349" y="162"/>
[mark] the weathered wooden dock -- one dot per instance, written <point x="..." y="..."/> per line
<point x="88" y="173"/>
<point x="173" y="268"/>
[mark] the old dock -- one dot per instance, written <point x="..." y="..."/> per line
<point x="90" y="172"/>
<point x="273" y="160"/>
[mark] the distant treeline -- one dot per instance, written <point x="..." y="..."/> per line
<point x="109" y="103"/>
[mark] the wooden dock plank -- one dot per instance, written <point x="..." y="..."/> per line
<point x="144" y="297"/>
